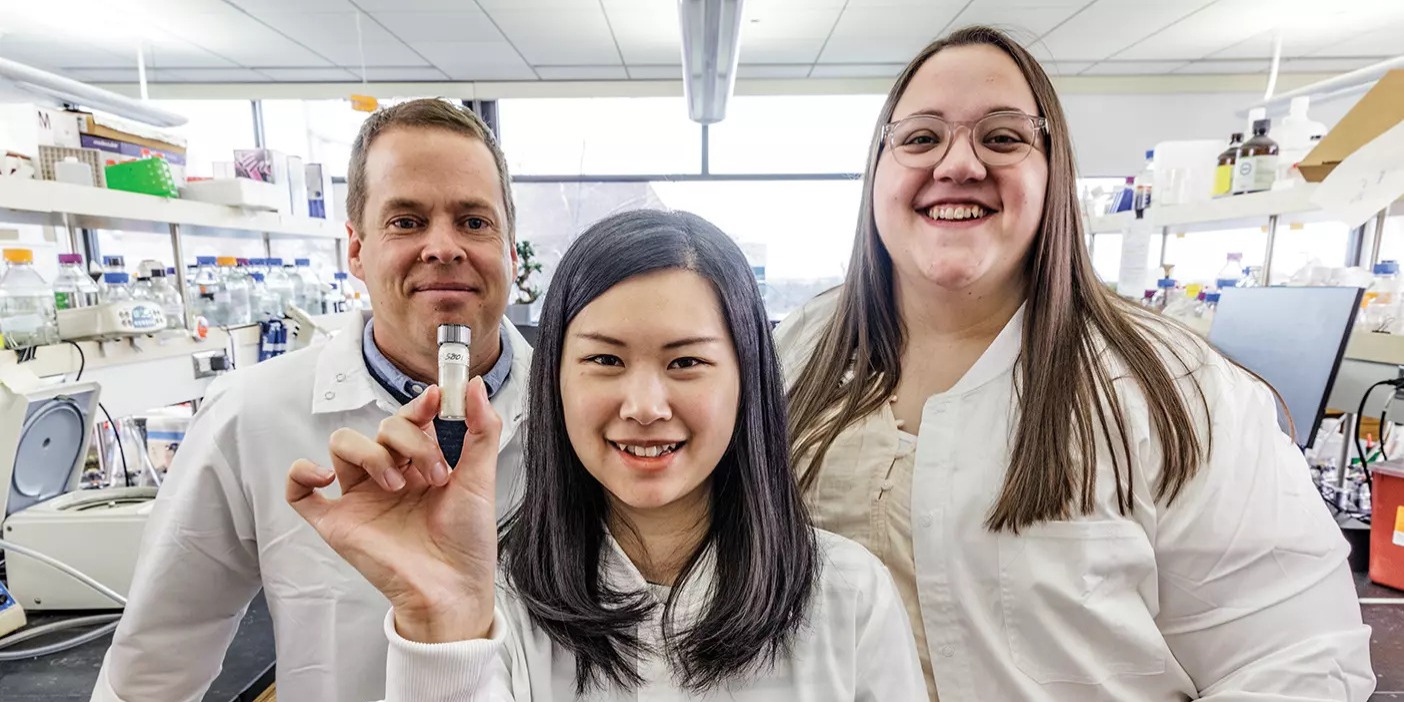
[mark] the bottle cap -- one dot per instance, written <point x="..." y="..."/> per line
<point x="115" y="278"/>
<point x="205" y="260"/>
<point x="158" y="272"/>
<point x="170" y="270"/>
<point x="1150" y="154"/>
<point x="303" y="261"/>
<point x="1211" y="297"/>
<point x="1261" y="126"/>
<point x="258" y="277"/>
<point x="1165" y="283"/>
<point x="273" y="262"/>
<point x="247" y="262"/>
<point x="1386" y="268"/>
<point x="227" y="261"/>
<point x="116" y="261"/>
<point x="19" y="255"/>
<point x="339" y="275"/>
<point x="70" y="258"/>
<point x="454" y="334"/>
<point x="1237" y="136"/>
<point x="1235" y="257"/>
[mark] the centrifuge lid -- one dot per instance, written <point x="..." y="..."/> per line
<point x="52" y="444"/>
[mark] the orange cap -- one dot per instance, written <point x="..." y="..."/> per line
<point x="19" y="256"/>
<point x="227" y="261"/>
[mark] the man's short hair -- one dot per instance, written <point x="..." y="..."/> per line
<point x="425" y="113"/>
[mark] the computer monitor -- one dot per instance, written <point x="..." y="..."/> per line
<point x="1294" y="338"/>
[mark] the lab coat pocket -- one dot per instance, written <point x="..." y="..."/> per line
<point x="1073" y="610"/>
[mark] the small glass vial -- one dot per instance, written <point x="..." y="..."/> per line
<point x="453" y="370"/>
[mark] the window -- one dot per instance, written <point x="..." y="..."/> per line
<point x="794" y="134"/>
<point x="599" y="136"/>
<point x="799" y="251"/>
<point x="216" y="128"/>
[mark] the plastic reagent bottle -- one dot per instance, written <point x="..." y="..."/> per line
<point x="27" y="313"/>
<point x="453" y="371"/>
<point x="73" y="288"/>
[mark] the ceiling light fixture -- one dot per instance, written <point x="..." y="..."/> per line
<point x="711" y="43"/>
<point x="33" y="80"/>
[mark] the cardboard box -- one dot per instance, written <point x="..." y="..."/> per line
<point x="268" y="166"/>
<point x="24" y="127"/>
<point x="1379" y="110"/>
<point x="140" y="135"/>
<point x="115" y="152"/>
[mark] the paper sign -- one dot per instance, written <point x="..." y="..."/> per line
<point x="1367" y="181"/>
<point x="364" y="103"/>
<point x="1132" y="280"/>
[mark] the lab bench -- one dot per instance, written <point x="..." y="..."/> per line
<point x="70" y="676"/>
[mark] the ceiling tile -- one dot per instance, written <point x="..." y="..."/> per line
<point x="388" y="54"/>
<point x="401" y="74"/>
<point x="924" y="20"/>
<point x="553" y="23"/>
<point x="309" y="75"/>
<point x="491" y="5"/>
<point x="103" y="75"/>
<point x="1065" y="68"/>
<point x="868" y="50"/>
<point x="209" y="75"/>
<point x="470" y="25"/>
<point x="559" y="51"/>
<point x="257" y="6"/>
<point x="582" y="73"/>
<point x="781" y="50"/>
<point x="174" y="53"/>
<point x="1132" y="68"/>
<point x="1221" y="67"/>
<point x="494" y="60"/>
<point x="646" y="34"/>
<point x="1381" y="43"/>
<point x="235" y="36"/>
<point x="860" y="70"/>
<point x="651" y="52"/>
<point x="655" y="72"/>
<point x="415" y="5"/>
<point x="1112" y="25"/>
<point x="1201" y="33"/>
<point x="753" y="71"/>
<point x="781" y="22"/>
<point x="327" y="28"/>
<point x="1025" y="22"/>
<point x="48" y="53"/>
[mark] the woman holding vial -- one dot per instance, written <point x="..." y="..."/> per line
<point x="1078" y="501"/>
<point x="661" y="549"/>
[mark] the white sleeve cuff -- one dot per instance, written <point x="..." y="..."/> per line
<point x="458" y="670"/>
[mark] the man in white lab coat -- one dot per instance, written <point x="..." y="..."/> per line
<point x="430" y="220"/>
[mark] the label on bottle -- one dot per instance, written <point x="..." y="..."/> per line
<point x="64" y="301"/>
<point x="1254" y="173"/>
<point x="453" y="353"/>
<point x="1223" y="180"/>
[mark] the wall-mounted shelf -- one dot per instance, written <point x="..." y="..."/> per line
<point x="28" y="201"/>
<point x="1254" y="207"/>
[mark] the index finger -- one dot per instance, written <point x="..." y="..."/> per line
<point x="422" y="410"/>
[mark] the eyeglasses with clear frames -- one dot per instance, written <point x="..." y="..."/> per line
<point x="998" y="139"/>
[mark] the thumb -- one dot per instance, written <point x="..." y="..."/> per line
<point x="477" y="465"/>
<point x="422" y="410"/>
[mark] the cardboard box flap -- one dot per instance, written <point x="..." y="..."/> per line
<point x="1379" y="110"/>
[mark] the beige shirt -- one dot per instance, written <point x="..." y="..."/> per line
<point x="1238" y="589"/>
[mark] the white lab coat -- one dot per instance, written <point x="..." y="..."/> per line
<point x="1237" y="591"/>
<point x="855" y="647"/>
<point x="222" y="529"/>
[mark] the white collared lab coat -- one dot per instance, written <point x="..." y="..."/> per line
<point x="1238" y="591"/>
<point x="855" y="647"/>
<point x="222" y="529"/>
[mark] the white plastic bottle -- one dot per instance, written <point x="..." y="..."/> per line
<point x="73" y="288"/>
<point x="309" y="287"/>
<point x="343" y="286"/>
<point x="168" y="296"/>
<point x="237" y="285"/>
<point x="1164" y="294"/>
<point x="265" y="300"/>
<point x="28" y="316"/>
<point x="141" y="289"/>
<point x="1382" y="299"/>
<point x="1296" y="139"/>
<point x="211" y="294"/>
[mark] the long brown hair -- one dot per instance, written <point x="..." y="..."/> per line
<point x="1065" y="389"/>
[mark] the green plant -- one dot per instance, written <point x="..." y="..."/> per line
<point x="526" y="266"/>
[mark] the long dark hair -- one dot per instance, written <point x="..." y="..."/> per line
<point x="1065" y="390"/>
<point x="767" y="561"/>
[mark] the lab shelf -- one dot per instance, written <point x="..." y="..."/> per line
<point x="28" y="201"/>
<point x="1252" y="210"/>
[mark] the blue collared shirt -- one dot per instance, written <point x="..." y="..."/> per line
<point x="404" y="388"/>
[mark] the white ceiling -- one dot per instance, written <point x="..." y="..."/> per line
<point x="240" y="41"/>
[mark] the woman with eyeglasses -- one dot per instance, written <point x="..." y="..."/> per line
<point x="661" y="551"/>
<point x="1078" y="501"/>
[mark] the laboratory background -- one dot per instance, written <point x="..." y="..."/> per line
<point x="173" y="185"/>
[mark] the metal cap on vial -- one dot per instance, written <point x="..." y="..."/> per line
<point x="454" y="334"/>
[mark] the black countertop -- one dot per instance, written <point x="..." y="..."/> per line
<point x="71" y="675"/>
